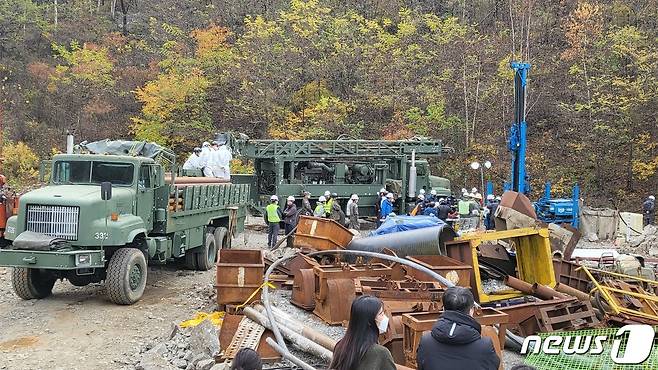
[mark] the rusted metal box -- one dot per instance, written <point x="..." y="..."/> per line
<point x="335" y="289"/>
<point x="321" y="234"/>
<point x="567" y="273"/>
<point x="416" y="324"/>
<point x="239" y="274"/>
<point x="456" y="271"/>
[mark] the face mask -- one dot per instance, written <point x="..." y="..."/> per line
<point x="383" y="325"/>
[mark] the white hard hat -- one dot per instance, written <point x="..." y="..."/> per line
<point x="471" y="195"/>
<point x="498" y="198"/>
<point x="354" y="197"/>
<point x="327" y="193"/>
<point x="652" y="197"/>
<point x="421" y="191"/>
<point x="464" y="191"/>
<point x="389" y="195"/>
<point x="322" y="199"/>
<point x="205" y="143"/>
<point x="274" y="197"/>
<point x="474" y="190"/>
<point x="491" y="197"/>
<point x="382" y="190"/>
<point x="291" y="198"/>
<point x="421" y="196"/>
<point x="433" y="192"/>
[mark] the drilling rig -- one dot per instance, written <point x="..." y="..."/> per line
<point x="344" y="167"/>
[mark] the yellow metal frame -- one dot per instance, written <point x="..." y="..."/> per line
<point x="534" y="258"/>
<point x="612" y="302"/>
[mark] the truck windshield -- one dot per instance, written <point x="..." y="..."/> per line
<point x="93" y="172"/>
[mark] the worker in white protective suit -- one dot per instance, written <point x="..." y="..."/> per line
<point x="205" y="159"/>
<point x="214" y="160"/>
<point x="194" y="161"/>
<point x="224" y="158"/>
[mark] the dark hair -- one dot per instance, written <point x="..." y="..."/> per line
<point x="457" y="298"/>
<point x="361" y="333"/>
<point x="524" y="367"/>
<point x="247" y="359"/>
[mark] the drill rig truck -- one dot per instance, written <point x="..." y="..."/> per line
<point x="344" y="167"/>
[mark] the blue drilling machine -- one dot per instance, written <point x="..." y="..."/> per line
<point x="548" y="209"/>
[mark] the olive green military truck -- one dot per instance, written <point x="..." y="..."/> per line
<point x="109" y="211"/>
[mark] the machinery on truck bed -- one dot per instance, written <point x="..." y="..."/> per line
<point x="105" y="214"/>
<point x="344" y="167"/>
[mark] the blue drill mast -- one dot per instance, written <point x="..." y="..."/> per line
<point x="548" y="210"/>
<point x="518" y="143"/>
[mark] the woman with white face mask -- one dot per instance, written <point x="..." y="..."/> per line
<point x="359" y="350"/>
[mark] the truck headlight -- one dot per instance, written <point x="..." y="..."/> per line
<point x="83" y="259"/>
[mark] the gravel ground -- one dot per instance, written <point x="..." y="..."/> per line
<point x="78" y="328"/>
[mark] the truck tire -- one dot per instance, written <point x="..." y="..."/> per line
<point x="126" y="276"/>
<point x="32" y="283"/>
<point x="207" y="255"/>
<point x="190" y="260"/>
<point x="222" y="241"/>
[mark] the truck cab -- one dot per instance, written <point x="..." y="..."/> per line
<point x="71" y="230"/>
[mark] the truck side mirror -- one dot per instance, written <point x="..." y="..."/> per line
<point x="106" y="190"/>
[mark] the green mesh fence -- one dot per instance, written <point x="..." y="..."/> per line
<point x="589" y="361"/>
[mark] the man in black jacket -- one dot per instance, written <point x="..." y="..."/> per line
<point x="455" y="342"/>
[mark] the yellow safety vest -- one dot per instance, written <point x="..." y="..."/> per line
<point x="272" y="212"/>
<point x="464" y="207"/>
<point x="328" y="205"/>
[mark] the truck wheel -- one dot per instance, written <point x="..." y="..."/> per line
<point x="32" y="283"/>
<point x="190" y="260"/>
<point x="126" y="276"/>
<point x="207" y="254"/>
<point x="222" y="241"/>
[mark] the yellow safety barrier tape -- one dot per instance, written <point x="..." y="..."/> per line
<point x="215" y="317"/>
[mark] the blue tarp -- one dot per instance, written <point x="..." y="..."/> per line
<point x="393" y="224"/>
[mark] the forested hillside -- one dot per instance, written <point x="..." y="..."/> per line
<point x="176" y="71"/>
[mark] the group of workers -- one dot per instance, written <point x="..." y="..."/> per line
<point x="213" y="159"/>
<point x="327" y="206"/>
<point x="448" y="208"/>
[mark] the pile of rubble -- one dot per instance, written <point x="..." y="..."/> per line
<point x="646" y="244"/>
<point x="193" y="348"/>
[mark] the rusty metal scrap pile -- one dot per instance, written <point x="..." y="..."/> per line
<point x="537" y="292"/>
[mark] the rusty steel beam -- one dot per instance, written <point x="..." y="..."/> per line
<point x="518" y="284"/>
<point x="566" y="289"/>
<point x="545" y="292"/>
<point x="301" y="342"/>
<point x="283" y="319"/>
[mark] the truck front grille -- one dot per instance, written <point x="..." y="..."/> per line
<point x="57" y="221"/>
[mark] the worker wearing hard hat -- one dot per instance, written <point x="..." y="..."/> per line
<point x="306" y="210"/>
<point x="381" y="195"/>
<point x="272" y="218"/>
<point x="476" y="195"/>
<point x="328" y="204"/>
<point x="432" y="197"/>
<point x="353" y="209"/>
<point x="649" y="210"/>
<point x="337" y="213"/>
<point x="319" y="208"/>
<point x="290" y="219"/>
<point x="490" y="210"/>
<point x="387" y="207"/>
<point x="464" y="206"/>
